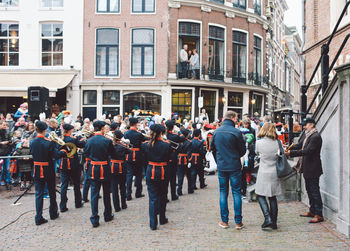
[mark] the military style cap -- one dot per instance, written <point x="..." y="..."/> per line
<point x="41" y="126"/>
<point x="67" y="127"/>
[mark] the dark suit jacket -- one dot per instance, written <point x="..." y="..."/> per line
<point x="311" y="165"/>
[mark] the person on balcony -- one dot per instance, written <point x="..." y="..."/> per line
<point x="183" y="61"/>
<point x="195" y="65"/>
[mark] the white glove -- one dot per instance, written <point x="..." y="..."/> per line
<point x="189" y="165"/>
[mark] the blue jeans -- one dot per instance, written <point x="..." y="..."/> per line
<point x="5" y="173"/>
<point x="313" y="191"/>
<point x="234" y="178"/>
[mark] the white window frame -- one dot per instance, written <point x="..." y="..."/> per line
<point x="41" y="38"/>
<point x="8" y="49"/>
<point x="154" y="53"/>
<point x="108" y="13"/>
<point x="200" y="41"/>
<point x="192" y="89"/>
<point x="217" y="101"/>
<point x="5" y="5"/>
<point x="110" y="88"/>
<point x="247" y="64"/>
<point x="51" y="8"/>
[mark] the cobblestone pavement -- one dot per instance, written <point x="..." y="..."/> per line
<point x="193" y="225"/>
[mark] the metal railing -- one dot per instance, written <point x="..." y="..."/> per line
<point x="325" y="67"/>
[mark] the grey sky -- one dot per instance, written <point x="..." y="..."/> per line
<point x="292" y="16"/>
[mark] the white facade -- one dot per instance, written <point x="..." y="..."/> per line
<point x="30" y="15"/>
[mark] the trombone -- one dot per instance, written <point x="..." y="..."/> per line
<point x="123" y="143"/>
<point x="72" y="148"/>
<point x="173" y="144"/>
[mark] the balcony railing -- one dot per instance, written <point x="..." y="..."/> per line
<point x="216" y="74"/>
<point x="239" y="77"/>
<point x="255" y="78"/>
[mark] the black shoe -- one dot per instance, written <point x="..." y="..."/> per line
<point x="175" y="197"/>
<point x="179" y="193"/>
<point x="86" y="200"/>
<point x="267" y="223"/>
<point x="109" y="218"/>
<point x="55" y="216"/>
<point x="195" y="188"/>
<point x="64" y="210"/>
<point x="167" y="200"/>
<point x="99" y="196"/>
<point x="203" y="186"/>
<point x="80" y="205"/>
<point x="140" y="196"/>
<point x="274" y="226"/>
<point x="190" y="192"/>
<point x="118" y="209"/>
<point x="96" y="224"/>
<point x="124" y="206"/>
<point x="41" y="221"/>
<point x="129" y="198"/>
<point x="163" y="222"/>
<point x="153" y="228"/>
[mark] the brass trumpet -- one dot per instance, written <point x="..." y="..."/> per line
<point x="72" y="148"/>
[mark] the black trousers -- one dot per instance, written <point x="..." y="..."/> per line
<point x="118" y="183"/>
<point x="313" y="191"/>
<point x="172" y="179"/>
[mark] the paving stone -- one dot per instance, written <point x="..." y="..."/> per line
<point x="193" y="225"/>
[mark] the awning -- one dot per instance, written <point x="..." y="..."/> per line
<point x="15" y="84"/>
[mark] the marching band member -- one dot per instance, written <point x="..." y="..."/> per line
<point x="118" y="170"/>
<point x="135" y="160"/>
<point x="44" y="151"/>
<point x="183" y="170"/>
<point x="70" y="169"/>
<point x="173" y="160"/>
<point x="157" y="152"/>
<point x="98" y="149"/>
<point x="197" y="154"/>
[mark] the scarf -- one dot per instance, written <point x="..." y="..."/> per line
<point x="308" y="135"/>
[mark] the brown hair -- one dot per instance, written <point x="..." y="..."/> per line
<point x="268" y="130"/>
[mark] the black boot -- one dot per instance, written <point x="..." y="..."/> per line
<point x="273" y="211"/>
<point x="266" y="212"/>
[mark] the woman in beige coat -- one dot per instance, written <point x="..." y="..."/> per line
<point x="267" y="182"/>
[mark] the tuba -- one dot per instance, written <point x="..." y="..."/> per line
<point x="72" y="148"/>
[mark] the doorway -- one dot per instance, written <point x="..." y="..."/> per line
<point x="209" y="103"/>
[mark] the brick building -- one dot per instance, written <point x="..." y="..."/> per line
<point x="131" y="57"/>
<point x="320" y="19"/>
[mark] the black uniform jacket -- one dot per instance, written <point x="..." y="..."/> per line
<point x="197" y="152"/>
<point x="183" y="150"/>
<point x="157" y="157"/>
<point x="98" y="150"/>
<point x="311" y="162"/>
<point x="44" y="151"/>
<point x="118" y="166"/>
<point x="136" y="139"/>
<point x="72" y="163"/>
<point x="178" y="138"/>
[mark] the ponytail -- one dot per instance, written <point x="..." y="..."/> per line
<point x="154" y="137"/>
